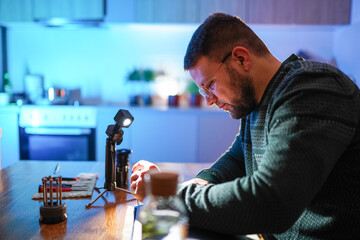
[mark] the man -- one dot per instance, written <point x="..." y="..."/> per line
<point x="294" y="169"/>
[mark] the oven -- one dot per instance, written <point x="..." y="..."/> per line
<point x="57" y="133"/>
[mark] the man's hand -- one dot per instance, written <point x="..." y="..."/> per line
<point x="198" y="181"/>
<point x="137" y="178"/>
<point x="138" y="182"/>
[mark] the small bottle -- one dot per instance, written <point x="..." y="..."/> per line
<point x="163" y="215"/>
<point x="122" y="167"/>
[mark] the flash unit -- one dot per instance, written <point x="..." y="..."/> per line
<point x="123" y="118"/>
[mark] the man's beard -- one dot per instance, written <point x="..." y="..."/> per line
<point x="244" y="101"/>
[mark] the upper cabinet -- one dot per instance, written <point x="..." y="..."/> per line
<point x="15" y="11"/>
<point x="165" y="11"/>
<point x="28" y="11"/>
<point x="184" y="11"/>
<point x="251" y="11"/>
<point x="299" y="11"/>
<point x="180" y="11"/>
<point x="232" y="7"/>
<point x="69" y="9"/>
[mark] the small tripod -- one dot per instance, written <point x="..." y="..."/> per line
<point x="115" y="136"/>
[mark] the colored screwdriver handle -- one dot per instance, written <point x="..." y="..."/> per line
<point x="41" y="189"/>
<point x="68" y="179"/>
<point x="64" y="189"/>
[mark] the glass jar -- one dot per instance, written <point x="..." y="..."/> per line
<point x="163" y="215"/>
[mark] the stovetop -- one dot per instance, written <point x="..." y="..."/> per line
<point x="57" y="116"/>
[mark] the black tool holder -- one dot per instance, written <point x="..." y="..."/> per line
<point x="122" y="167"/>
<point x="51" y="211"/>
<point x="115" y="137"/>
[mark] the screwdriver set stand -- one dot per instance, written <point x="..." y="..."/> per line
<point x="52" y="210"/>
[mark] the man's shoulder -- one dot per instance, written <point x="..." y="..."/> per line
<point x="314" y="76"/>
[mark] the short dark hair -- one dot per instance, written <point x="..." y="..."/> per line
<point x="218" y="35"/>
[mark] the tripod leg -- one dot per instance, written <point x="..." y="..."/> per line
<point x="98" y="191"/>
<point x="124" y="190"/>
<point x="98" y="188"/>
<point x="89" y="205"/>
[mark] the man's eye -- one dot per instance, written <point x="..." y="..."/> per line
<point x="210" y="85"/>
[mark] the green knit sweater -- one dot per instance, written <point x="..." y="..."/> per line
<point x="294" y="168"/>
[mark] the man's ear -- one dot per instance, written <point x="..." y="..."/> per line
<point x="243" y="57"/>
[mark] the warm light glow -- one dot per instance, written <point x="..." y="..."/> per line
<point x="126" y="122"/>
<point x="51" y="94"/>
<point x="62" y="93"/>
<point x="166" y="85"/>
<point x="57" y="21"/>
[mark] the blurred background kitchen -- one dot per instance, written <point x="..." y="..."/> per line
<point x="67" y="66"/>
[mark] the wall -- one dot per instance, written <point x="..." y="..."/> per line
<point x="346" y="44"/>
<point x="98" y="59"/>
<point x="95" y="59"/>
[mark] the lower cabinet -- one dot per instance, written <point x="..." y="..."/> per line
<point x="164" y="137"/>
<point x="171" y="135"/>
<point x="216" y="133"/>
<point x="10" y="136"/>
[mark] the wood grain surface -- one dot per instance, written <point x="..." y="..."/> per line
<point x="110" y="217"/>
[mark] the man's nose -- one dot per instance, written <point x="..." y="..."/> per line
<point x="210" y="100"/>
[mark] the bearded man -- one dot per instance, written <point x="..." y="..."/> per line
<point x="293" y="171"/>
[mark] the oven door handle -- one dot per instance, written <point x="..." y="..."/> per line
<point x="58" y="131"/>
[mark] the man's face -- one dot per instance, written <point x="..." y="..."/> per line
<point x="231" y="91"/>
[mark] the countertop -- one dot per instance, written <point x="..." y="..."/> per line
<point x="198" y="110"/>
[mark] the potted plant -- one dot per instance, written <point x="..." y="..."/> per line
<point x="195" y="97"/>
<point x="141" y="93"/>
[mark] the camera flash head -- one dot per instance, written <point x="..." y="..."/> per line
<point x="123" y="118"/>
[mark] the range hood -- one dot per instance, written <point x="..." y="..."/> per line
<point x="69" y="13"/>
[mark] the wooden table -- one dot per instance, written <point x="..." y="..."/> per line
<point x="113" y="219"/>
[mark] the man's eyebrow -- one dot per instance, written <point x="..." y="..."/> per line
<point x="202" y="83"/>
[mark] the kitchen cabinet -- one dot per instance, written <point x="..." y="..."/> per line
<point x="251" y="11"/>
<point x="15" y="11"/>
<point x="323" y="12"/>
<point x="232" y="7"/>
<point x="185" y="11"/>
<point x="164" y="136"/>
<point x="216" y="133"/>
<point x="27" y="11"/>
<point x="10" y="135"/>
<point x="0" y="146"/>
<point x="171" y="135"/>
<point x="272" y="11"/>
<point x="165" y="11"/>
<point x="120" y="11"/>
<point x="159" y="135"/>
<point x="299" y="12"/>
<point x="181" y="11"/>
<point x="70" y="9"/>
